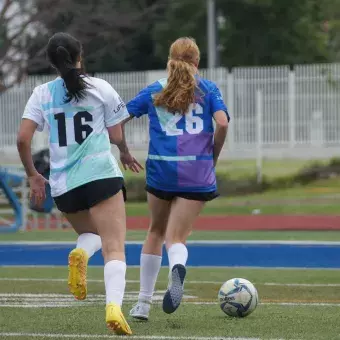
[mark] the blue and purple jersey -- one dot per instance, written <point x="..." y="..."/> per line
<point x="181" y="146"/>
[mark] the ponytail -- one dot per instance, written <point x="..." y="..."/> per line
<point x="73" y="77"/>
<point x="64" y="51"/>
<point x="179" y="93"/>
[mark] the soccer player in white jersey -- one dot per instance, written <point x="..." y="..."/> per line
<point x="82" y="115"/>
<point x="180" y="170"/>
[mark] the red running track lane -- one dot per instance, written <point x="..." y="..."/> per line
<point x="266" y="222"/>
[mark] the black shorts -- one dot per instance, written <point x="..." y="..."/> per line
<point x="88" y="195"/>
<point x="193" y="196"/>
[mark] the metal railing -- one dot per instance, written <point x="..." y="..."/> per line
<point x="299" y="118"/>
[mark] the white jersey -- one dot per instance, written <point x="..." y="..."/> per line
<point x="80" y="150"/>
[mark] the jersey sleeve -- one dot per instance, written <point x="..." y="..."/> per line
<point x="139" y="105"/>
<point x="115" y="108"/>
<point x="216" y="101"/>
<point x="33" y="111"/>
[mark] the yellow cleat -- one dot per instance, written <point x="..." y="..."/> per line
<point x="115" y="320"/>
<point x="77" y="265"/>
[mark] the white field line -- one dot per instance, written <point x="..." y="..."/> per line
<point x="98" y="336"/>
<point x="63" y="300"/>
<point x="194" y="267"/>
<point x="301" y="284"/>
<point x="294" y="304"/>
<point x="69" y="305"/>
<point x="196" y="242"/>
<point x="187" y="282"/>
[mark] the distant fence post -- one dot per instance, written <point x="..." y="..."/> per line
<point x="259" y="125"/>
<point x="291" y="108"/>
<point x="230" y="106"/>
<point x="316" y="128"/>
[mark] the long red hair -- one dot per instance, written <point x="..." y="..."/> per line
<point x="179" y="93"/>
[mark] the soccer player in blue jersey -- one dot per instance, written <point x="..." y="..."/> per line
<point x="183" y="151"/>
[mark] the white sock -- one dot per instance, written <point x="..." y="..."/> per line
<point x="114" y="277"/>
<point x="177" y="254"/>
<point x="149" y="269"/>
<point x="89" y="242"/>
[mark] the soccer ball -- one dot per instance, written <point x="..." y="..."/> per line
<point x="238" y="297"/>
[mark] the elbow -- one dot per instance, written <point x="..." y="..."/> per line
<point x="116" y="134"/>
<point x="21" y="142"/>
<point x="223" y="125"/>
<point x="116" y="138"/>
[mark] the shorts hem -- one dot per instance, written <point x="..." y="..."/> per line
<point x="89" y="195"/>
<point x="193" y="196"/>
<point x="93" y="179"/>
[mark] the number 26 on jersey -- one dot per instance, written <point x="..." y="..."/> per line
<point x="193" y="123"/>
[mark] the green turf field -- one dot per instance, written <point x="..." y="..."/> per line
<point x="247" y="168"/>
<point x="134" y="235"/>
<point x="294" y="304"/>
<point x="318" y="198"/>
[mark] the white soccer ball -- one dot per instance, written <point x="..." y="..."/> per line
<point x="238" y="297"/>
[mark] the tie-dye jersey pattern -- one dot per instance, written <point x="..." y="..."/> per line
<point x="80" y="150"/>
<point x="181" y="147"/>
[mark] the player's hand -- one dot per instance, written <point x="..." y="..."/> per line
<point x="130" y="162"/>
<point x="37" y="189"/>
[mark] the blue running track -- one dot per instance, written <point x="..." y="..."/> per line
<point x="229" y="254"/>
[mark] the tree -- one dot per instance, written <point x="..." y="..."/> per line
<point x="262" y="32"/>
<point x="108" y="30"/>
<point x="181" y="18"/>
<point x="18" y="21"/>
<point x="254" y="32"/>
<point x="331" y="26"/>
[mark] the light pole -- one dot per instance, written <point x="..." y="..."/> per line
<point x="211" y="33"/>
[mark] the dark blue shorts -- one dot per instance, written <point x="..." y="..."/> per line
<point x="88" y="195"/>
<point x="192" y="196"/>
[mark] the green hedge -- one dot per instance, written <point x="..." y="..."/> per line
<point x="242" y="186"/>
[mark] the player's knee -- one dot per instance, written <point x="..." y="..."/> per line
<point x="156" y="236"/>
<point x="172" y="238"/>
<point x="112" y="249"/>
<point x="157" y="231"/>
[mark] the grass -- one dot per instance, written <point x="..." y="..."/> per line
<point x="285" y="312"/>
<point x="134" y="235"/>
<point x="247" y="168"/>
<point x="318" y="198"/>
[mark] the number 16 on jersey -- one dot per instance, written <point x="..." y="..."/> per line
<point x="81" y="131"/>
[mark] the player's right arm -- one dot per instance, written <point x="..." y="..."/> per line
<point x="32" y="120"/>
<point x="136" y="108"/>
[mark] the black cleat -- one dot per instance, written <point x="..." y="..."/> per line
<point x="173" y="296"/>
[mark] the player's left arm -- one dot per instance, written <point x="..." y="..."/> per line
<point x="122" y="145"/>
<point x="220" y="114"/>
<point x="220" y="135"/>
<point x="115" y="113"/>
<point x="136" y="108"/>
